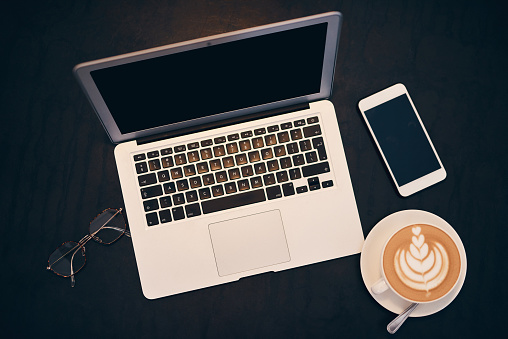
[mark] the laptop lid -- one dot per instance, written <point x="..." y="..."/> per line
<point x="206" y="80"/>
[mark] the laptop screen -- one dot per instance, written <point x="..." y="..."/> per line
<point x="219" y="78"/>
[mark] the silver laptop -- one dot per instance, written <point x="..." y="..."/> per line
<point x="229" y="155"/>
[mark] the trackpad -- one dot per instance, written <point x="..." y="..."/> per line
<point x="250" y="242"/>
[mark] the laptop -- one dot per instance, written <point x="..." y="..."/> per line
<point x="229" y="154"/>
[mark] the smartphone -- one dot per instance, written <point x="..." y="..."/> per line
<point x="402" y="140"/>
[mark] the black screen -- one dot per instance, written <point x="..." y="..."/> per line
<point x="214" y="79"/>
<point x="402" y="140"/>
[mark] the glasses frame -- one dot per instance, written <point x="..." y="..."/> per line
<point x="81" y="243"/>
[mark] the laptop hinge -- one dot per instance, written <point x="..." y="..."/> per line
<point x="222" y="123"/>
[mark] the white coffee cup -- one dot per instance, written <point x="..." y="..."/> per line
<point x="420" y="263"/>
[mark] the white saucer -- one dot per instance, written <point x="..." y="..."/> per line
<point x="371" y="257"/>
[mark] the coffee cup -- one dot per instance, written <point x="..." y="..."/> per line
<point x="420" y="263"/>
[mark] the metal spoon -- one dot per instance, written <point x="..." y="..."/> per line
<point x="396" y="323"/>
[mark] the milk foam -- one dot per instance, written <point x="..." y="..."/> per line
<point x="424" y="266"/>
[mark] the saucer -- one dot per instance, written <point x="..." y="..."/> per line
<point x="371" y="257"/>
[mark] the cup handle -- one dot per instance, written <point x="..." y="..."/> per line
<point x="379" y="287"/>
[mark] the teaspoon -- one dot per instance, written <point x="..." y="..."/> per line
<point x="396" y="323"/>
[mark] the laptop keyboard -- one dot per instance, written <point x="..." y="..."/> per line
<point x="233" y="170"/>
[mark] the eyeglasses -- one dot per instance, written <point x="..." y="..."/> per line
<point x="69" y="258"/>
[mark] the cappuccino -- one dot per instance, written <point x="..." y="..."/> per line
<point x="421" y="263"/>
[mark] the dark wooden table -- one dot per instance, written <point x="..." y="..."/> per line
<point x="58" y="169"/>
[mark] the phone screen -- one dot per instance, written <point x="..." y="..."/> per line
<point x="402" y="140"/>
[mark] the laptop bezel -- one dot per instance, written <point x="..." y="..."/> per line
<point x="83" y="73"/>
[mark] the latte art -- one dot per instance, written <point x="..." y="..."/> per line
<point x="421" y="263"/>
<point x="421" y="267"/>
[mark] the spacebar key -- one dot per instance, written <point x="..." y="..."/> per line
<point x="231" y="201"/>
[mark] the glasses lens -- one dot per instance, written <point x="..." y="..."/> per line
<point x="108" y="226"/>
<point x="67" y="259"/>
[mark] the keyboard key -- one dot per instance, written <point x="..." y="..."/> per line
<point x="283" y="137"/>
<point x="285" y="162"/>
<point x="296" y="134"/>
<point x="167" y="162"/>
<point x="176" y="173"/>
<point x="208" y="179"/>
<point x="215" y="164"/>
<point x="244" y="145"/>
<point x="260" y="168"/>
<point x="151" y="191"/>
<point x="207" y="142"/>
<point x="153" y="154"/>
<point x="295" y="173"/>
<point x="152" y="219"/>
<point x="165" y="202"/>
<point x="315" y="169"/>
<point x="299" y="123"/>
<point x="219" y="140"/>
<point x="311" y="157"/>
<point x="166" y="151"/>
<point x="192" y="210"/>
<point x="273" y="165"/>
<point x="243" y="185"/>
<point x="230" y="187"/>
<point x="241" y="159"/>
<point x="259" y="131"/>
<point x="151" y="205"/>
<point x="180" y="159"/>
<point x="189" y="170"/>
<point x="279" y="150"/>
<point x="221" y="176"/>
<point x="234" y="174"/>
<point x="180" y="148"/>
<point x="228" y="162"/>
<point x="286" y="125"/>
<point x="314" y="183"/>
<point x="254" y="156"/>
<point x="320" y="147"/>
<point x="217" y="190"/>
<point x="139" y="157"/>
<point x="305" y="145"/>
<point x="311" y="131"/>
<point x="301" y="189"/>
<point x="246" y="134"/>
<point x="206" y="153"/>
<point x="269" y="179"/>
<point x="247" y="171"/>
<point x="147" y="179"/>
<point x="163" y="176"/>
<point x="273" y="128"/>
<point x="292" y="148"/>
<point x="141" y="167"/>
<point x="233" y="137"/>
<point x="270" y="139"/>
<point x="169" y="188"/>
<point x="154" y="165"/>
<point x="204" y="193"/>
<point x="219" y="151"/>
<point x="298" y="159"/>
<point x="266" y="153"/>
<point x="282" y="176"/>
<point x="165" y="216"/>
<point x="257" y="142"/>
<point x="193" y="145"/>
<point x="273" y="192"/>
<point x="191" y="196"/>
<point x="231" y="201"/>
<point x="195" y="182"/>
<point x="256" y="182"/>
<point x="312" y="120"/>
<point x="232" y="148"/>
<point x="182" y="185"/>
<point x="193" y="156"/>
<point x="327" y="183"/>
<point x="202" y="167"/>
<point x="178" y="199"/>
<point x="288" y="189"/>
<point x="178" y="213"/>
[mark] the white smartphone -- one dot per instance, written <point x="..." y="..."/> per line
<point x="402" y="140"/>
